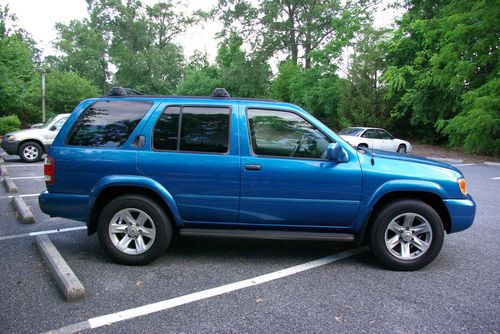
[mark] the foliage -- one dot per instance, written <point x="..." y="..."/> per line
<point x="240" y="76"/>
<point x="9" y="123"/>
<point x="296" y="28"/>
<point x="311" y="89"/>
<point x="443" y="69"/>
<point x="361" y="94"/>
<point x="65" y="90"/>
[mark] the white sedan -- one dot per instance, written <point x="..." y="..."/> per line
<point x="375" y="138"/>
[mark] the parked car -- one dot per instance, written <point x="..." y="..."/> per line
<point x="378" y="139"/>
<point x="31" y="144"/>
<point x="140" y="169"/>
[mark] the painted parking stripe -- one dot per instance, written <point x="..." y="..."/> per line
<point x="111" y="318"/>
<point x="32" y="234"/>
<point x="496" y="178"/>
<point x="463" y="165"/>
<point x="25" y="195"/>
<point x="27" y="177"/>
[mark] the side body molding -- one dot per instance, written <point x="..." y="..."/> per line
<point x="139" y="182"/>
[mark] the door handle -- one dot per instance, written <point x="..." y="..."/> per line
<point x="253" y="167"/>
<point x="139" y="141"/>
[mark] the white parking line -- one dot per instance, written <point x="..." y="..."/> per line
<point x="462" y="165"/>
<point x="111" y="318"/>
<point x="27" y="177"/>
<point x="30" y="165"/>
<point x="26" y="195"/>
<point x="496" y="178"/>
<point x="32" y="234"/>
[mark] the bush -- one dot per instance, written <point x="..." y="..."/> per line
<point x="9" y="123"/>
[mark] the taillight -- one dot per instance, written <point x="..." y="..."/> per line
<point x="48" y="170"/>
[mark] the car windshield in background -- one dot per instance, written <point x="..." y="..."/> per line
<point x="46" y="124"/>
<point x="351" y="131"/>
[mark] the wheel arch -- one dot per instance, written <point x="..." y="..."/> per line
<point x="432" y="199"/>
<point x="34" y="140"/>
<point x="103" y="194"/>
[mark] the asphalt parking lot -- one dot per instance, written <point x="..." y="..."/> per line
<point x="458" y="292"/>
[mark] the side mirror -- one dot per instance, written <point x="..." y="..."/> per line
<point x="336" y="153"/>
<point x="53" y="128"/>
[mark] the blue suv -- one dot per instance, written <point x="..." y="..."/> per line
<point x="139" y="169"/>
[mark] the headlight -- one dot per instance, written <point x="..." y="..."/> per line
<point x="462" y="185"/>
<point x="11" y="138"/>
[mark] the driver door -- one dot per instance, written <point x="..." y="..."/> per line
<point x="285" y="177"/>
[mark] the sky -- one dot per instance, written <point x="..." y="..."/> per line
<point x="39" y="17"/>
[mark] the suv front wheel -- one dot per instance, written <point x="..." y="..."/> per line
<point x="407" y="235"/>
<point x="133" y="230"/>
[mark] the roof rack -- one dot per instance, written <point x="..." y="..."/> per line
<point x="120" y="91"/>
<point x="220" y="92"/>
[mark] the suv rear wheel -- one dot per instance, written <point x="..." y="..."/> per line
<point x="407" y="235"/>
<point x="30" y="152"/>
<point x="133" y="230"/>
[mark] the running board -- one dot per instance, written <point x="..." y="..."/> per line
<point x="266" y="234"/>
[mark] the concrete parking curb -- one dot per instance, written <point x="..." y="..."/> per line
<point x="495" y="164"/>
<point x="3" y="171"/>
<point x="23" y="210"/>
<point x="451" y="161"/>
<point x="9" y="184"/>
<point x="65" y="278"/>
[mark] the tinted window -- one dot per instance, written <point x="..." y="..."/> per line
<point x="204" y="129"/>
<point x="108" y="123"/>
<point x="285" y="134"/>
<point x="167" y="130"/>
<point x="60" y="123"/>
<point x="384" y="134"/>
<point x="370" y="134"/>
<point x="351" y="132"/>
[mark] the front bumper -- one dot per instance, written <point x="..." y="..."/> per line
<point x="462" y="212"/>
<point x="11" y="147"/>
<point x="69" y="206"/>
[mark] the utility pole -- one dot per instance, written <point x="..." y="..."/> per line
<point x="42" y="70"/>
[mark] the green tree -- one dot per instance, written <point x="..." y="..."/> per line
<point x="443" y="72"/>
<point x="361" y="94"/>
<point x="310" y="88"/>
<point x="201" y="78"/>
<point x="65" y="90"/>
<point x="17" y="68"/>
<point x="239" y="75"/>
<point x="296" y="28"/>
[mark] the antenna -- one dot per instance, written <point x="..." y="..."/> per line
<point x="372" y="161"/>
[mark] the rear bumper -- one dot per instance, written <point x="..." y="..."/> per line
<point x="462" y="212"/>
<point x="69" y="206"/>
<point x="11" y="147"/>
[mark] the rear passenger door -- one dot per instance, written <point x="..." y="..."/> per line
<point x="190" y="150"/>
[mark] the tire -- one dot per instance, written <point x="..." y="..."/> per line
<point x="402" y="149"/>
<point x="127" y="240"/>
<point x="404" y="249"/>
<point x="30" y="152"/>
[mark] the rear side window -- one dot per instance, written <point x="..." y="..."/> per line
<point x="108" y="123"/>
<point x="195" y="129"/>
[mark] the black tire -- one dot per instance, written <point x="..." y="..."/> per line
<point x="31" y="152"/>
<point x="162" y="227"/>
<point x="425" y="216"/>
<point x="402" y="149"/>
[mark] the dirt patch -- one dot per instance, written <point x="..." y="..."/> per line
<point x="443" y="152"/>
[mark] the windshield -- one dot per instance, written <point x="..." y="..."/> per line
<point x="46" y="124"/>
<point x="351" y="131"/>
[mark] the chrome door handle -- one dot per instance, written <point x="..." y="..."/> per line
<point x="253" y="167"/>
